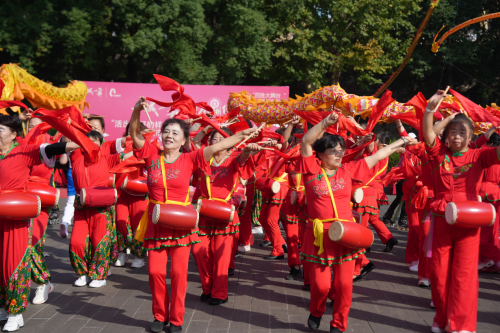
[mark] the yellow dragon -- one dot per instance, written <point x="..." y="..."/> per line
<point x="19" y="85"/>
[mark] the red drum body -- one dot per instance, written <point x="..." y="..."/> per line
<point x="470" y="214"/>
<point x="19" y="206"/>
<point x="267" y="185"/>
<point x="175" y="216"/>
<point x="297" y="198"/>
<point x="216" y="210"/>
<point x="136" y="186"/>
<point x="112" y="181"/>
<point x="241" y="189"/>
<point x="240" y="202"/>
<point x="357" y="194"/>
<point x="99" y="196"/>
<point x="351" y="235"/>
<point x="357" y="216"/>
<point x="49" y="196"/>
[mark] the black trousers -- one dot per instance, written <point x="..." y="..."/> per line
<point x="396" y="202"/>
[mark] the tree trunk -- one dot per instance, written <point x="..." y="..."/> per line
<point x="309" y="86"/>
<point x="335" y="79"/>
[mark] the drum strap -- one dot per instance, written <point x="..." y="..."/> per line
<point x="281" y="179"/>
<point x="143" y="224"/>
<point x="377" y="174"/>
<point x="209" y="189"/>
<point x="318" y="224"/>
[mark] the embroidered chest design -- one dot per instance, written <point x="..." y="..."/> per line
<point x="458" y="171"/>
<point x="321" y="188"/>
<point x="219" y="173"/>
<point x="155" y="175"/>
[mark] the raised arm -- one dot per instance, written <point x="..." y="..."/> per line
<point x="372" y="160"/>
<point x="314" y="133"/>
<point x="201" y="134"/>
<point x="427" y="126"/>
<point x="135" y="123"/>
<point x="288" y="131"/>
<point x="227" y="143"/>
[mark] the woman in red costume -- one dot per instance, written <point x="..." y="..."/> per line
<point x="161" y="241"/>
<point x="215" y="256"/>
<point x="458" y="172"/>
<point x="328" y="202"/>
<point x="16" y="164"/>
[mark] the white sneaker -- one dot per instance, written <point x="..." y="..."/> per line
<point x="424" y="282"/>
<point x="244" y="248"/>
<point x="137" y="263"/>
<point x="257" y="230"/>
<point x="3" y="314"/>
<point x="435" y="329"/>
<point x="97" y="283"/>
<point x="109" y="271"/>
<point x="127" y="250"/>
<point x="82" y="281"/>
<point x="42" y="293"/>
<point x="63" y="230"/>
<point x="14" y="323"/>
<point x="414" y="266"/>
<point x="485" y="264"/>
<point x="432" y="305"/>
<point x="122" y="259"/>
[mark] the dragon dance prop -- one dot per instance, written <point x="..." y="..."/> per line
<point x="416" y="39"/>
<point x="436" y="45"/>
<point x="323" y="99"/>
<point x="19" y="85"/>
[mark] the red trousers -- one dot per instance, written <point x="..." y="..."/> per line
<point x="383" y="233"/>
<point x="320" y="290"/>
<point x="489" y="244"/>
<point x="246" y="237"/>
<point x="424" y="263"/>
<point x="269" y="218"/>
<point x="454" y="275"/>
<point x="305" y="263"/>
<point x="213" y="256"/>
<point x="157" y="268"/>
<point x="15" y="272"/>
<point x="129" y="211"/>
<point x="292" y="241"/>
<point x="236" y="241"/>
<point x="361" y="260"/>
<point x="412" y="244"/>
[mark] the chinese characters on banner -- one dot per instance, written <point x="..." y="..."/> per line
<point x="116" y="101"/>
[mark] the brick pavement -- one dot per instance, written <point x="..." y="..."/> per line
<point x="260" y="299"/>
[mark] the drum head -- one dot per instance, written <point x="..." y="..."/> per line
<point x="82" y="197"/>
<point x="58" y="194"/>
<point x="451" y="213"/>
<point x="275" y="187"/>
<point x="494" y="215"/>
<point x="336" y="231"/>
<point x="155" y="216"/>
<point x="358" y="195"/>
<point x="124" y="184"/>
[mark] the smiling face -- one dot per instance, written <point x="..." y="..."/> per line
<point x="7" y="136"/>
<point x="331" y="158"/>
<point x="33" y="122"/>
<point x="459" y="136"/>
<point x="97" y="125"/>
<point x="216" y="138"/>
<point x="172" y="137"/>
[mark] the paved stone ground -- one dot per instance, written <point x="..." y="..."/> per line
<point x="260" y="299"/>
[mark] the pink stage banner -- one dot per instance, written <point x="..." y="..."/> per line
<point x="116" y="100"/>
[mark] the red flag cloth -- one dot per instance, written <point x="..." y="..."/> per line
<point x="129" y="165"/>
<point x="37" y="135"/>
<point x="420" y="199"/>
<point x="352" y="153"/>
<point x="231" y="114"/>
<point x="420" y="103"/>
<point x="239" y="126"/>
<point x="70" y="123"/>
<point x="208" y="121"/>
<point x="266" y="134"/>
<point x="8" y="104"/>
<point x="396" y="173"/>
<point x="475" y="112"/>
<point x="167" y="84"/>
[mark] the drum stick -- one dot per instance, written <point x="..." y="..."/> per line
<point x="251" y="135"/>
<point x="286" y="122"/>
<point x="147" y="114"/>
<point x="442" y="99"/>
<point x="197" y="119"/>
<point x="264" y="148"/>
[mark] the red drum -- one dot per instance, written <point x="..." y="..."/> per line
<point x="267" y="185"/>
<point x="240" y="202"/>
<point x="351" y="235"/>
<point x="136" y="186"/>
<point x="357" y="194"/>
<point x="297" y="198"/>
<point x="112" y="181"/>
<point x="19" y="206"/>
<point x="99" y="196"/>
<point x="175" y="216"/>
<point x="49" y="196"/>
<point x="241" y="189"/>
<point x="471" y="214"/>
<point x="215" y="210"/>
<point x="357" y="216"/>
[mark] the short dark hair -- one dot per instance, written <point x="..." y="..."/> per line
<point x="12" y="122"/>
<point x="225" y="130"/>
<point x="383" y="138"/>
<point x="142" y="128"/>
<point x="459" y="118"/>
<point x="101" y="120"/>
<point x="296" y="130"/>
<point x="494" y="140"/>
<point x="95" y="135"/>
<point x="182" y="124"/>
<point x="328" y="141"/>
